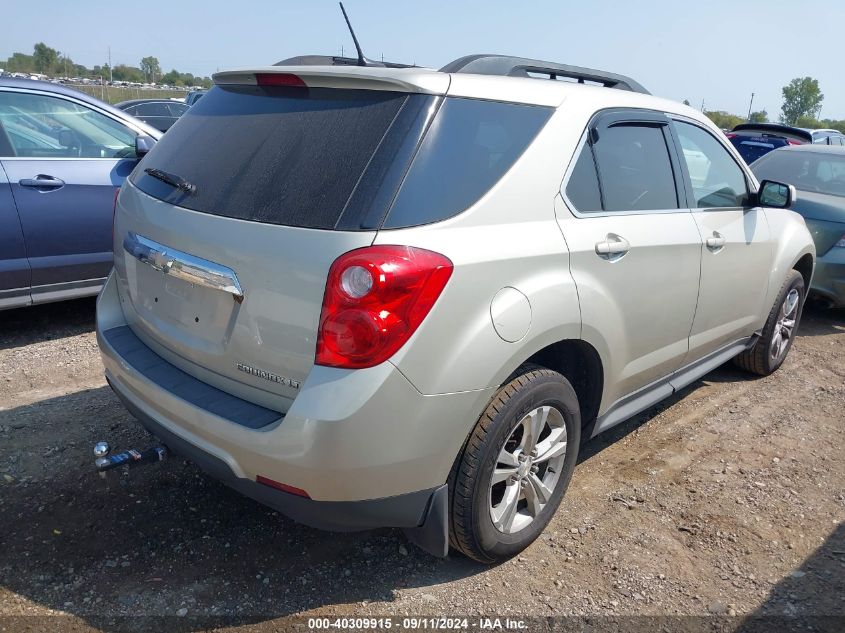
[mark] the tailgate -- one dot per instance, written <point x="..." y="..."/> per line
<point x="226" y="230"/>
<point x="238" y="299"/>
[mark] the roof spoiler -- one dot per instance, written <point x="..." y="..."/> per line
<point x="775" y="128"/>
<point x="508" y="66"/>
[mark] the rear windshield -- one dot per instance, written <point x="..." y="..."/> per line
<point x="279" y="155"/>
<point x="822" y="172"/>
<point x="329" y="158"/>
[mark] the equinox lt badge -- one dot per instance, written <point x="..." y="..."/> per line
<point x="266" y="375"/>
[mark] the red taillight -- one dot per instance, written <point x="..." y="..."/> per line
<point x="279" y="79"/>
<point x="299" y="492"/>
<point x="375" y="299"/>
<point x="730" y="135"/>
<point x="791" y="142"/>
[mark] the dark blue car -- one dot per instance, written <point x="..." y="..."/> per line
<point x="63" y="156"/>
<point x="754" y="140"/>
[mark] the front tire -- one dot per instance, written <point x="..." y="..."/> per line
<point x="774" y="344"/>
<point x="516" y="466"/>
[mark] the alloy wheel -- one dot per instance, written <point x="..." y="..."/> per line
<point x="528" y="469"/>
<point x="785" y="326"/>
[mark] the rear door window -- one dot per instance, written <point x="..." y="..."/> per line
<point x="279" y="155"/>
<point x="634" y="167"/>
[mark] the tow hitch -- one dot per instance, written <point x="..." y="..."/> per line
<point x="131" y="458"/>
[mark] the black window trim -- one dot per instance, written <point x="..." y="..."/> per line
<point x="611" y="117"/>
<point x="732" y="152"/>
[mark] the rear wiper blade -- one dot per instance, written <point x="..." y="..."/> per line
<point x="172" y="180"/>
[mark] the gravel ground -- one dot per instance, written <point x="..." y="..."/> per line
<point x="728" y="499"/>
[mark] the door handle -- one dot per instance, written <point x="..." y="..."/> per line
<point x="715" y="242"/>
<point x="42" y="182"/>
<point x="613" y="245"/>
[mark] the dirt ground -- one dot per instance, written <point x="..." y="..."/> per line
<point x="727" y="500"/>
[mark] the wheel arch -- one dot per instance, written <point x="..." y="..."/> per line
<point x="580" y="363"/>
<point x="805" y="265"/>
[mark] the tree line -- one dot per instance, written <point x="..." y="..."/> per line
<point x="49" y="61"/>
<point x="802" y="104"/>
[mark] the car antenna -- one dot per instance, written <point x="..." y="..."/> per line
<point x="362" y="61"/>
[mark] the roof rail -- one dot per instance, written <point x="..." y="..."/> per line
<point x="330" y="60"/>
<point x="508" y="66"/>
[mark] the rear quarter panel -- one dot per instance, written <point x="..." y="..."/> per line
<point x="508" y="239"/>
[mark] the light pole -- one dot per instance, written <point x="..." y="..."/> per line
<point x="748" y="118"/>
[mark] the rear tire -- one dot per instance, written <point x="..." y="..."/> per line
<point x="774" y="344"/>
<point x="508" y="482"/>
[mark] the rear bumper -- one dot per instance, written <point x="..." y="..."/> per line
<point x="829" y="277"/>
<point x="403" y="511"/>
<point x="365" y="445"/>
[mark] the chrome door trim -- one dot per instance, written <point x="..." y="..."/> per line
<point x="185" y="266"/>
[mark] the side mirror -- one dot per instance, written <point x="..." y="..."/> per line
<point x="776" y="194"/>
<point x="143" y="144"/>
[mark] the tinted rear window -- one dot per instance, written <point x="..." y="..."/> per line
<point x="288" y="156"/>
<point x="470" y="145"/>
<point x="152" y="109"/>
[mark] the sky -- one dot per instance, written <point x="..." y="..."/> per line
<point x="717" y="52"/>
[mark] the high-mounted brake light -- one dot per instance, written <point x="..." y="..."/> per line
<point x="375" y="299"/>
<point x="279" y="79"/>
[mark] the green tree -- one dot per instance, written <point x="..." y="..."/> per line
<point x="20" y="63"/>
<point x="724" y="120"/>
<point x="122" y="72"/>
<point x="150" y="67"/>
<point x="761" y="116"/>
<point x="170" y="78"/>
<point x="808" y="121"/>
<point x="801" y="97"/>
<point x="44" y="57"/>
<point x="833" y="124"/>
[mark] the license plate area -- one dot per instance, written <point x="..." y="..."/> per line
<point x="167" y="304"/>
